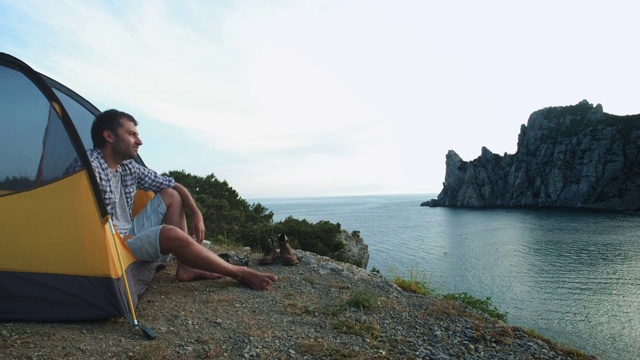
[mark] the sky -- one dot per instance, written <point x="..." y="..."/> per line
<point x="329" y="97"/>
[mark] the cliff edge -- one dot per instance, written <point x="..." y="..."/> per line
<point x="571" y="156"/>
<point x="319" y="309"/>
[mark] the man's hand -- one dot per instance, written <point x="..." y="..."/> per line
<point x="197" y="227"/>
<point x="197" y="223"/>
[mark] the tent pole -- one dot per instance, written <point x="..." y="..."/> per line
<point x="148" y="333"/>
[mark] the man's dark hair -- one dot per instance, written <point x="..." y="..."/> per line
<point x="108" y="120"/>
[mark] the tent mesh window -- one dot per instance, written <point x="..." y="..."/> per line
<point x="31" y="133"/>
<point x="81" y="117"/>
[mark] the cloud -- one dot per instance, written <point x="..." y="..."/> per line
<point x="332" y="96"/>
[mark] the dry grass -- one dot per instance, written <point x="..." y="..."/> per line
<point x="152" y="350"/>
<point x="364" y="327"/>
<point x="310" y="279"/>
<point x="363" y="297"/>
<point x="306" y="303"/>
<point x="319" y="348"/>
<point x="446" y="308"/>
<point x="313" y="347"/>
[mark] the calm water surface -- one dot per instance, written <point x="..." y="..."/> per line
<point x="573" y="276"/>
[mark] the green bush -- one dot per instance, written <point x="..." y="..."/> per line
<point x="227" y="215"/>
<point x="230" y="219"/>
<point x="416" y="283"/>
<point x="363" y="298"/>
<point x="483" y="305"/>
<point x="319" y="238"/>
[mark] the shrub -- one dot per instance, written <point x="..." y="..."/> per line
<point x="363" y="297"/>
<point x="226" y="215"/>
<point x="230" y="219"/>
<point x="482" y="305"/>
<point x="319" y="238"/>
<point x="416" y="283"/>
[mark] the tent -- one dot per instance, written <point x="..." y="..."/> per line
<point x="60" y="259"/>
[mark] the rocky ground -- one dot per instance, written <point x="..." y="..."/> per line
<point x="312" y="312"/>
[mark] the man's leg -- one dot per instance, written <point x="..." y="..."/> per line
<point x="194" y="260"/>
<point x="194" y="256"/>
<point x="175" y="216"/>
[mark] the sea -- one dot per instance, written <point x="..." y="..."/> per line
<point x="572" y="276"/>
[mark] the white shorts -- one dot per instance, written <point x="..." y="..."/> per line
<point x="145" y="245"/>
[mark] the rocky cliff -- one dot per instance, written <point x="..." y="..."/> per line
<point x="318" y="309"/>
<point x="355" y="251"/>
<point x="572" y="156"/>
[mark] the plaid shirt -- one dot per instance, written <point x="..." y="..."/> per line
<point x="133" y="177"/>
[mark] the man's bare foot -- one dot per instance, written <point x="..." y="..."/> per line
<point x="255" y="280"/>
<point x="185" y="273"/>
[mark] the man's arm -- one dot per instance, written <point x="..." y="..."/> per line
<point x="197" y="222"/>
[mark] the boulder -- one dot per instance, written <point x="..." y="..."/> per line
<point x="355" y="251"/>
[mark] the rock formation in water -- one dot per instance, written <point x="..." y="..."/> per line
<point x="572" y="156"/>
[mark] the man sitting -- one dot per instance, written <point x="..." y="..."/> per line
<point x="161" y="227"/>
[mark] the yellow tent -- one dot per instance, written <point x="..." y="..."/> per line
<point x="59" y="258"/>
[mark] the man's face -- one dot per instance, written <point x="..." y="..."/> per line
<point x="126" y="140"/>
